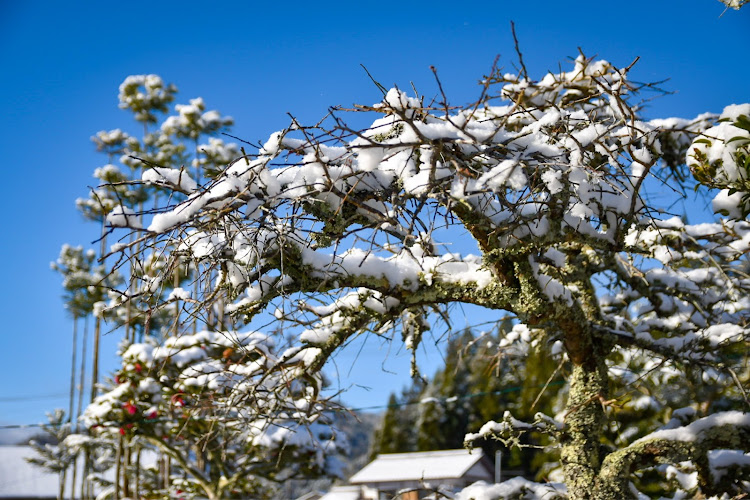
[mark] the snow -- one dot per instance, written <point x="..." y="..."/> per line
<point x="517" y="487"/>
<point x="341" y="493"/>
<point x="734" y="111"/>
<point x="552" y="178"/>
<point x="687" y="480"/>
<point x="178" y="294"/>
<point x="720" y="460"/>
<point x="176" y="176"/>
<point x="20" y="479"/>
<point x="417" y="466"/>
<point x="400" y="269"/>
<point x="398" y="100"/>
<point x="693" y="431"/>
<point x="122" y="216"/>
<point x="728" y="204"/>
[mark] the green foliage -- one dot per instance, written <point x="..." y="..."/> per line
<point x="84" y="283"/>
<point x="721" y="160"/>
<point x="54" y="457"/>
<point x="481" y="379"/>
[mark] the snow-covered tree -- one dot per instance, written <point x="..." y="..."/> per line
<point x="189" y="398"/>
<point x="161" y="151"/>
<point x="547" y="200"/>
<point x="735" y="4"/>
<point x="55" y="457"/>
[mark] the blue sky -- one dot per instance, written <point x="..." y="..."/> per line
<point x="62" y="63"/>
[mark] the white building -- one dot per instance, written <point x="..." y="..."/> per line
<point x="21" y="480"/>
<point x="421" y="473"/>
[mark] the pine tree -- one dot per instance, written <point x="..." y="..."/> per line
<point x="396" y="432"/>
<point x="55" y="457"/>
<point x="140" y="171"/>
<point x="480" y="380"/>
<point x="444" y="415"/>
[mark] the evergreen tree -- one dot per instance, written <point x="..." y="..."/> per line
<point x="445" y="411"/>
<point x="139" y="172"/>
<point x="396" y="432"/>
<point x="481" y="379"/>
<point x="55" y="457"/>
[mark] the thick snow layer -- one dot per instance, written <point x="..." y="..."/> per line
<point x="728" y="204"/>
<point x="720" y="460"/>
<point x="517" y="487"/>
<point x="20" y="479"/>
<point x="692" y="432"/>
<point x="342" y="493"/>
<point x="432" y="465"/>
<point x="175" y="176"/>
<point x="122" y="216"/>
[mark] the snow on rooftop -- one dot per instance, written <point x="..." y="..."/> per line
<point x="342" y="493"/>
<point x="19" y="478"/>
<point x="429" y="465"/>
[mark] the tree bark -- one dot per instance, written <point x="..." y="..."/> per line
<point x="71" y="404"/>
<point x="584" y="423"/>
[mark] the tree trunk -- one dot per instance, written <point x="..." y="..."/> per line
<point x="95" y="360"/>
<point x="82" y="380"/>
<point x="98" y="322"/>
<point x="137" y="484"/>
<point x="73" y="370"/>
<point x="84" y="475"/>
<point x="118" y="468"/>
<point x="73" y="479"/>
<point x="584" y="423"/>
<point x="61" y="485"/>
<point x="127" y="455"/>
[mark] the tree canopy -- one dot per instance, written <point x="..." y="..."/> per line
<point x="548" y="200"/>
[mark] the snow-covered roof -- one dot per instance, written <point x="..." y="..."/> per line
<point x="423" y="466"/>
<point x="342" y="493"/>
<point x="18" y="478"/>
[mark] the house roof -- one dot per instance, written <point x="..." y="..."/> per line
<point x="311" y="495"/>
<point x="342" y="493"/>
<point x="419" y="466"/>
<point x="18" y="478"/>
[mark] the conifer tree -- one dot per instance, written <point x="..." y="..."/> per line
<point x="397" y="431"/>
<point x="480" y="380"/>
<point x="138" y="171"/>
<point x="55" y="457"/>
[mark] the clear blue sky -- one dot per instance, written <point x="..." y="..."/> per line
<point x="62" y="62"/>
